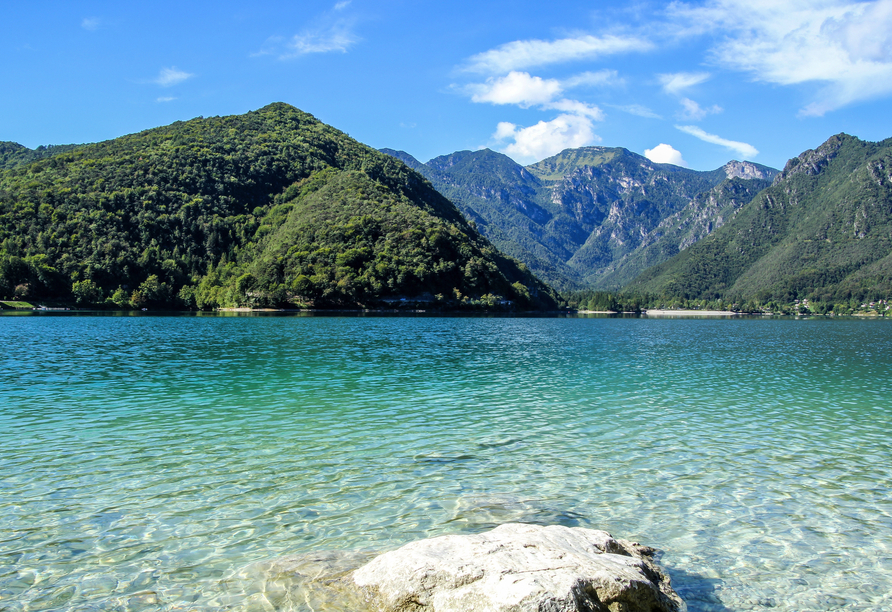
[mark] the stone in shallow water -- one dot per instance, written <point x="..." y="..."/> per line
<point x="519" y="568"/>
<point x="311" y="581"/>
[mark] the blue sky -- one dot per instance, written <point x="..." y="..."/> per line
<point x="691" y="83"/>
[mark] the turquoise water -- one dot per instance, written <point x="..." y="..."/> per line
<point x="161" y="462"/>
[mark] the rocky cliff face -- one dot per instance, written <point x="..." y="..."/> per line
<point x="812" y="161"/>
<point x="748" y="170"/>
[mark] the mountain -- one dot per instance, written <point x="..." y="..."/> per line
<point x="593" y="216"/>
<point x="822" y="231"/>
<point x="268" y="208"/>
<point x="705" y="213"/>
<point x="13" y="154"/>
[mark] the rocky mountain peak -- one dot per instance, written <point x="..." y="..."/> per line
<point x="812" y="161"/>
<point x="748" y="170"/>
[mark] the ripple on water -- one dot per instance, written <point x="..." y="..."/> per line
<point x="196" y="462"/>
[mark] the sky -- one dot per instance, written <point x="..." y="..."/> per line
<point x="691" y="83"/>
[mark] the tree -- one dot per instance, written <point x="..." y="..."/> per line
<point x="86" y="292"/>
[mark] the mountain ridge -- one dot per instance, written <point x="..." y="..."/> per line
<point x="213" y="212"/>
<point x="822" y="231"/>
<point x="578" y="218"/>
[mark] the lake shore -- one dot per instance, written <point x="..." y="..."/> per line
<point x="688" y="313"/>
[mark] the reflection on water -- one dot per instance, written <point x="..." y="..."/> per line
<point x="207" y="463"/>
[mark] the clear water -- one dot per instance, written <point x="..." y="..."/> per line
<point x="162" y="462"/>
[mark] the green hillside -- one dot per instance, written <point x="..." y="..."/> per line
<point x="268" y="208"/>
<point x="822" y="231"/>
<point x="558" y="166"/>
<point x="13" y="154"/>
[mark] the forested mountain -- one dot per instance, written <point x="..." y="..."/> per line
<point x="593" y="216"/>
<point x="268" y="208"/>
<point x="13" y="154"/>
<point x="822" y="231"/>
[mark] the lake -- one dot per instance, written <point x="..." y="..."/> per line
<point x="158" y="462"/>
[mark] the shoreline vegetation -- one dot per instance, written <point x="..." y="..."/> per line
<point x="580" y="302"/>
<point x="870" y="311"/>
<point x="594" y="301"/>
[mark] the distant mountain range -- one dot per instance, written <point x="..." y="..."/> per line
<point x="594" y="216"/>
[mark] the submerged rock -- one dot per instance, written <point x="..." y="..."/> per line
<point x="519" y="568"/>
<point x="319" y="580"/>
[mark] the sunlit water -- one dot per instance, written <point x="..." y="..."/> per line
<point x="161" y="462"/>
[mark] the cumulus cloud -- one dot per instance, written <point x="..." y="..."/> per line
<point x="516" y="88"/>
<point x="676" y="82"/>
<point x="524" y="90"/>
<point x="90" y="23"/>
<point x="171" y="76"/>
<point x="843" y="46"/>
<point x="530" y="53"/>
<point x="546" y="138"/>
<point x="694" y="112"/>
<point x="165" y="99"/>
<point x="744" y="150"/>
<point x="574" y="127"/>
<point x="665" y="154"/>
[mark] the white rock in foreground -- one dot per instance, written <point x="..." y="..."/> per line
<point x="519" y="568"/>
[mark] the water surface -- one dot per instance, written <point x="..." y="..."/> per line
<point x="156" y="462"/>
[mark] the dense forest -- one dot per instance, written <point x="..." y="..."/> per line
<point x="270" y="208"/>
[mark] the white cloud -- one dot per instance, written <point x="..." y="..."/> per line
<point x="338" y="37"/>
<point x="546" y="138"/>
<point x="596" y="79"/>
<point x="638" y="110"/>
<point x="572" y="128"/>
<point x="90" y="23"/>
<point x="171" y="76"/>
<point x="843" y="46"/>
<point x="165" y="99"/>
<point x="694" y="112"/>
<point x="665" y="154"/>
<point x="504" y="130"/>
<point x="529" y="53"/>
<point x="524" y="90"/>
<point x="675" y="83"/>
<point x="516" y="88"/>
<point x="745" y="151"/>
<point x="330" y="32"/>
<point x="577" y="108"/>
